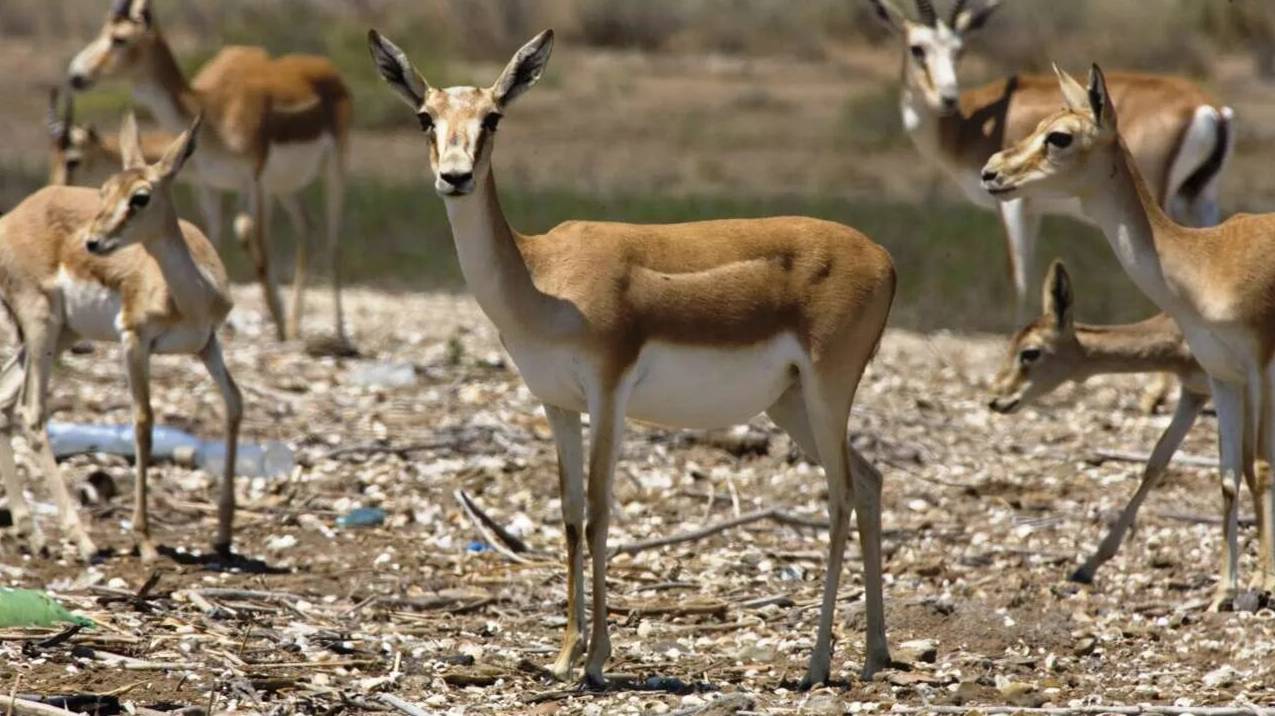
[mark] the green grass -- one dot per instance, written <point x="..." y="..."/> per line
<point x="950" y="257"/>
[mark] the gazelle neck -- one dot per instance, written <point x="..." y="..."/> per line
<point x="494" y="266"/>
<point x="191" y="289"/>
<point x="1149" y="346"/>
<point x="930" y="131"/>
<point x="163" y="90"/>
<point x="1142" y="236"/>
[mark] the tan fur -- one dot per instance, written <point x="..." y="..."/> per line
<point x="581" y="307"/>
<point x="252" y="105"/>
<point x="105" y="265"/>
<point x="1217" y="283"/>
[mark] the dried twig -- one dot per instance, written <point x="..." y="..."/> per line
<point x="23" y="707"/>
<point x="511" y="540"/>
<point x="709" y="530"/>
<point x="406" y="707"/>
<point x="481" y="526"/>
<point x="1140" y="710"/>
<point x="1141" y="457"/>
<point x="730" y="704"/>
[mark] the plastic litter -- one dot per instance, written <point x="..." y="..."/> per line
<point x="270" y="459"/>
<point x="378" y="374"/>
<point x="30" y="607"/>
<point x="362" y="517"/>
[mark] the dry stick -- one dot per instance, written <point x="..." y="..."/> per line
<point x="734" y="703"/>
<point x="406" y="707"/>
<point x="511" y="541"/>
<point x="1121" y="456"/>
<point x="488" y="536"/>
<point x="22" y="707"/>
<point x="698" y="534"/>
<point x="1145" y="710"/>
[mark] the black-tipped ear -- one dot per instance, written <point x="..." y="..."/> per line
<point x="180" y="150"/>
<point x="525" y="69"/>
<point x="140" y="12"/>
<point x="397" y="71"/>
<point x="966" y="19"/>
<point x="1104" y="110"/>
<point x="889" y="14"/>
<point x="59" y="117"/>
<point x="1057" y="298"/>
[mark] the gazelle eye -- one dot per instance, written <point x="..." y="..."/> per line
<point x="119" y="41"/>
<point x="492" y="121"/>
<point x="1028" y="356"/>
<point x="918" y="52"/>
<point x="139" y="200"/>
<point x="427" y="122"/>
<point x="1062" y="140"/>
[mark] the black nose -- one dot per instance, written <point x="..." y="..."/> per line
<point x="458" y="179"/>
<point x="93" y="245"/>
<point x="79" y="82"/>
<point x="990" y="175"/>
<point x="950" y="103"/>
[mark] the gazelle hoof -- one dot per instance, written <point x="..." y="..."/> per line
<point x="1222" y="601"/>
<point x="1084" y="575"/>
<point x="594" y="682"/>
<point x="146" y="549"/>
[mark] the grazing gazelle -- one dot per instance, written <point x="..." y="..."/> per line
<point x="1217" y="283"/>
<point x="1179" y="137"/>
<point x="1055" y="349"/>
<point x="271" y="124"/>
<point x="692" y="325"/>
<point x="110" y="265"/>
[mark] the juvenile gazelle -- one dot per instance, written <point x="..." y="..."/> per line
<point x="271" y="125"/>
<point x="1055" y="349"/>
<point x="110" y="265"/>
<point x="1179" y="136"/>
<point x="692" y="325"/>
<point x="1218" y="283"/>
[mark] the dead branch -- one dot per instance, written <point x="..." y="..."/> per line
<point x="710" y="530"/>
<point x="488" y="535"/>
<point x="406" y="707"/>
<point x="1141" y="710"/>
<point x="733" y="703"/>
<point x="511" y="540"/>
<point x="1101" y="456"/>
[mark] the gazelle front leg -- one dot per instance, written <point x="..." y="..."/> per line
<point x="24" y="522"/>
<point x="254" y="236"/>
<point x="1228" y="398"/>
<point x="210" y="205"/>
<point x="42" y="344"/>
<point x="137" y="367"/>
<point x="233" y="399"/>
<point x="1189" y="407"/>
<point x="300" y="221"/>
<point x="606" y="428"/>
<point x="1022" y="228"/>
<point x="1260" y="484"/>
<point x="565" y="425"/>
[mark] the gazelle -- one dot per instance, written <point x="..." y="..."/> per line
<point x="1055" y="349"/>
<point x="81" y="156"/>
<point x="110" y="265"/>
<point x="1216" y="283"/>
<point x="1179" y="136"/>
<point x="271" y="125"/>
<point x="692" y="325"/>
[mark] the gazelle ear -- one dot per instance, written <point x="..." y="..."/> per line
<point x="180" y="150"/>
<point x="1104" y="110"/>
<point x="140" y="12"/>
<point x="525" y="69"/>
<point x="1057" y="298"/>
<point x="397" y="70"/>
<point x="889" y="14"/>
<point x="131" y="143"/>
<point x="966" y="19"/>
<point x="1074" y="94"/>
<point x="59" y="117"/>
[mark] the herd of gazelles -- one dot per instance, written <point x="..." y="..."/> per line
<point x="690" y="325"/>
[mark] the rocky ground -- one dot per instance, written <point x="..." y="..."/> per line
<point x="985" y="516"/>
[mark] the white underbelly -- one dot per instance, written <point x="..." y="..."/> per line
<point x="697" y="387"/>
<point x="182" y="340"/>
<point x="1221" y="356"/>
<point x="91" y="310"/>
<point x="293" y="166"/>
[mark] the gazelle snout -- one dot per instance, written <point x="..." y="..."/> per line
<point x="100" y="245"/>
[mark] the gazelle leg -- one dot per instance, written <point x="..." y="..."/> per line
<point x="300" y="221"/>
<point x="1229" y="400"/>
<point x="1263" y="497"/>
<point x="24" y="522"/>
<point x="258" y="248"/>
<point x="210" y="206"/>
<point x="335" y="204"/>
<point x="1157" y="393"/>
<point x="42" y="343"/>
<point x="1022" y="227"/>
<point x="606" y="429"/>
<point x="1184" y="416"/>
<point x="565" y="425"/>
<point x="233" y="399"/>
<point x="137" y="367"/>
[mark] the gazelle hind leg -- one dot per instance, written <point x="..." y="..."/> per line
<point x="11" y="380"/>
<point x="1263" y="497"/>
<point x="1022" y="227"/>
<point x="301" y="228"/>
<point x="1184" y="416"/>
<point x="1229" y="400"/>
<point x="137" y="367"/>
<point x="335" y="205"/>
<point x="215" y="363"/>
<point x="606" y="428"/>
<point x="565" y="426"/>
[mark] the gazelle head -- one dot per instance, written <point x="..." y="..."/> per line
<point x="72" y="147"/>
<point x="460" y="122"/>
<point x="1044" y="354"/>
<point x="1072" y="152"/>
<point x="137" y="204"/>
<point x="124" y="41"/>
<point x="933" y="47"/>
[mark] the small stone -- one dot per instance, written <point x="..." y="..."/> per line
<point x="1019" y="693"/>
<point x="1221" y="677"/>
<point x="1247" y="601"/>
<point x="918" y="650"/>
<point x="1085" y="646"/>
